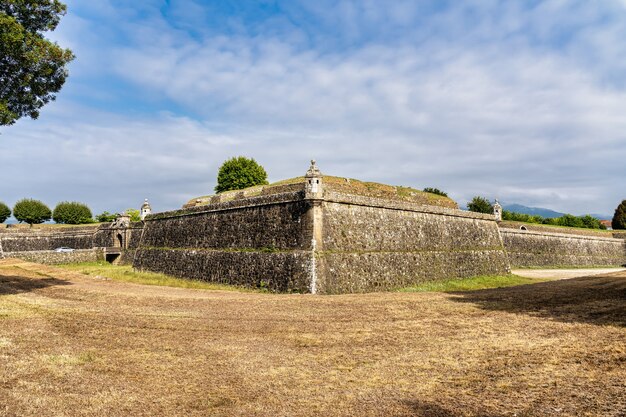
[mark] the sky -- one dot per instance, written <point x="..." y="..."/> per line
<point x="521" y="100"/>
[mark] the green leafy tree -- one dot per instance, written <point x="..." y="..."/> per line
<point x="619" y="218"/>
<point x="105" y="217"/>
<point x="570" y="220"/>
<point x="5" y="212"/>
<point x="591" y="222"/>
<point x="32" y="68"/>
<point x="480" y="205"/>
<point x="239" y="173"/>
<point x="435" y="191"/>
<point x="135" y="215"/>
<point x="31" y="211"/>
<point x="72" y="212"/>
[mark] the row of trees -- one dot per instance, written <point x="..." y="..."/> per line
<point x="67" y="212"/>
<point x="482" y="205"/>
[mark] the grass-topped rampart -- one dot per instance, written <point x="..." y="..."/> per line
<point x="337" y="184"/>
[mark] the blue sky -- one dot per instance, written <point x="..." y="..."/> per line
<point x="519" y="100"/>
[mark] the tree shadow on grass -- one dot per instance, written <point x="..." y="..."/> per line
<point x="11" y="284"/>
<point x="597" y="300"/>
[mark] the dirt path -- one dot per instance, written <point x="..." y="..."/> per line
<point x="565" y="273"/>
<point x="74" y="345"/>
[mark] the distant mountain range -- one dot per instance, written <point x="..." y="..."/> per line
<point x="544" y="212"/>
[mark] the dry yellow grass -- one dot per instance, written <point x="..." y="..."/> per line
<point x="72" y="345"/>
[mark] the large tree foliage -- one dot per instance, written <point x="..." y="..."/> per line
<point x="5" y="212"/>
<point x="480" y="205"/>
<point x="239" y="173"/>
<point x="32" y="68"/>
<point x="72" y="212"/>
<point x="619" y="218"/>
<point x="31" y="211"/>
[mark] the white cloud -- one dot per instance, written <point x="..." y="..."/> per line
<point x="501" y="103"/>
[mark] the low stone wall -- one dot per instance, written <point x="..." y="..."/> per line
<point x="544" y="249"/>
<point x="53" y="258"/>
<point x="38" y="239"/>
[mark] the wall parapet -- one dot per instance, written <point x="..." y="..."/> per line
<point x="341" y="198"/>
<point x="563" y="235"/>
<point x="256" y="201"/>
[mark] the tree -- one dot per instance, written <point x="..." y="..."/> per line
<point x="72" y="212"/>
<point x="32" y="68"/>
<point x="5" y="212"/>
<point x="106" y="217"/>
<point x="31" y="211"/>
<point x="435" y="191"/>
<point x="239" y="173"/>
<point x="480" y="205"/>
<point x="134" y="214"/>
<point x="619" y="218"/>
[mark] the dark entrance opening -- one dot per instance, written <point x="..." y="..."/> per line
<point x="112" y="258"/>
<point x="120" y="241"/>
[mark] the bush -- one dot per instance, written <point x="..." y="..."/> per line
<point x="480" y="205"/>
<point x="72" y="212"/>
<point x="106" y="217"/>
<point x="5" y="212"/>
<point x="239" y="173"/>
<point x="31" y="211"/>
<point x="619" y="218"/>
<point x="435" y="191"/>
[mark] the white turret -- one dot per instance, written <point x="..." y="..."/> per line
<point x="145" y="209"/>
<point x="313" y="185"/>
<point x="497" y="211"/>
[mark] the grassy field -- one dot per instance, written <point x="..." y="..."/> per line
<point x="126" y="273"/>
<point x="82" y="345"/>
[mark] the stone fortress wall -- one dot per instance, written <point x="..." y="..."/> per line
<point x="316" y="237"/>
<point x="321" y="241"/>
<point x="261" y="241"/>
<point x="536" y="248"/>
<point x="371" y="244"/>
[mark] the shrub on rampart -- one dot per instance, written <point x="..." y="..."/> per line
<point x="435" y="191"/>
<point x="31" y="211"/>
<point x="72" y="212"/>
<point x="5" y="212"/>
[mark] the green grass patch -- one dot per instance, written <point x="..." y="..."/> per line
<point x="126" y="273"/>
<point x="472" y="284"/>
<point x="570" y="267"/>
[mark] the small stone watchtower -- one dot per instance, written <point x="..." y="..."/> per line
<point x="313" y="184"/>
<point x="497" y="211"/>
<point x="145" y="209"/>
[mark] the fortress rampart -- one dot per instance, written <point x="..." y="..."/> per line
<point x="320" y="241"/>
<point x="306" y="236"/>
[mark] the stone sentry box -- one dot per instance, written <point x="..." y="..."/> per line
<point x="320" y="241"/>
